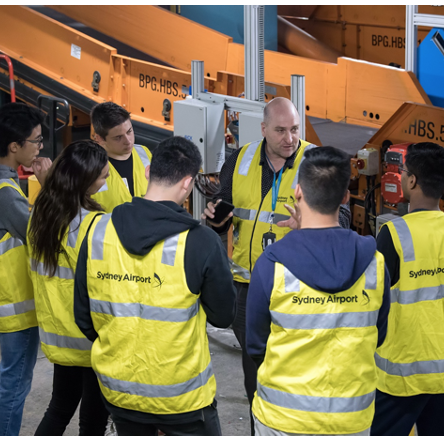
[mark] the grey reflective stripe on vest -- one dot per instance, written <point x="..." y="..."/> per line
<point x="74" y="228"/>
<point x="371" y="275"/>
<point x="245" y="214"/>
<point x="104" y="187"/>
<point x="248" y="158"/>
<point x="9" y="244"/>
<point x="147" y="312"/>
<point x="98" y="237"/>
<point x="157" y="391"/>
<point x="410" y="369"/>
<point x="324" y="321"/>
<point x="421" y="294"/>
<point x="60" y="272"/>
<point x="315" y="403"/>
<point x="265" y="216"/>
<point x="169" y="250"/>
<point x="405" y="237"/>
<point x="143" y="155"/>
<point x="237" y="270"/>
<point x="64" y="341"/>
<point x="296" y="177"/>
<point x="17" y="308"/>
<point x="292" y="283"/>
<point x="9" y="182"/>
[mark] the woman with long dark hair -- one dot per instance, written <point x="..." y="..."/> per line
<point x="62" y="214"/>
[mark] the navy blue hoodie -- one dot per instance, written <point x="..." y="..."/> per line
<point x="328" y="259"/>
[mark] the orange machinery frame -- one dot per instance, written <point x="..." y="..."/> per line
<point x="413" y="123"/>
<point x="70" y="57"/>
<point x="369" y="32"/>
<point x="351" y="91"/>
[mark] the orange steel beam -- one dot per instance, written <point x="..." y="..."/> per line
<point x="157" y="32"/>
<point x="413" y="122"/>
<point x="340" y="91"/>
<point x="300" y="43"/>
<point x="55" y="50"/>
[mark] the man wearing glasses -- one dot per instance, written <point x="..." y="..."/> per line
<point x="20" y="142"/>
<point x="410" y="363"/>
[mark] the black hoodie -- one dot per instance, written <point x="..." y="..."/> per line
<point x="140" y="224"/>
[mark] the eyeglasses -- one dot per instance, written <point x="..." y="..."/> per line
<point x="400" y="170"/>
<point x="38" y="141"/>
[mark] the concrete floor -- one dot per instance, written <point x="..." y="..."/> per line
<point x="227" y="364"/>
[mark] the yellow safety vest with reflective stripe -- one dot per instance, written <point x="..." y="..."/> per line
<point x="411" y="359"/>
<point x="252" y="215"/>
<point x="17" y="311"/>
<point x="62" y="341"/>
<point x="319" y="372"/>
<point x="151" y="354"/>
<point x="115" y="191"/>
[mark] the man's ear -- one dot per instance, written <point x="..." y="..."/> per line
<point x="298" y="192"/>
<point x="187" y="181"/>
<point x="100" y="140"/>
<point x="412" y="181"/>
<point x="147" y="172"/>
<point x="346" y="197"/>
<point x="13" y="147"/>
<point x="263" y="129"/>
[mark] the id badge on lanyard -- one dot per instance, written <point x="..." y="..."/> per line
<point x="270" y="237"/>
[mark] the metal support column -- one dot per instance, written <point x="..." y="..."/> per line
<point x="411" y="38"/>
<point x="412" y="21"/>
<point x="254" y="52"/>
<point x="197" y="78"/>
<point x="298" y="99"/>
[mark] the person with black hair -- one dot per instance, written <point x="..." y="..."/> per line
<point x="148" y="279"/>
<point x="62" y="214"/>
<point x="20" y="142"/>
<point x="258" y="179"/>
<point x="127" y="161"/>
<point x="411" y="360"/>
<point x="317" y="309"/>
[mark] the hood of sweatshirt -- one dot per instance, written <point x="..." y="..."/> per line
<point x="7" y="172"/>
<point x="141" y="223"/>
<point x="327" y="259"/>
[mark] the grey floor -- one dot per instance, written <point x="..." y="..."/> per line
<point x="232" y="400"/>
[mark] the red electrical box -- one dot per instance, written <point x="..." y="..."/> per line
<point x="391" y="189"/>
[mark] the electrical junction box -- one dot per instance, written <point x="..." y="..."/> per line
<point x="250" y="127"/>
<point x="202" y="123"/>
<point x="382" y="219"/>
<point x="368" y="161"/>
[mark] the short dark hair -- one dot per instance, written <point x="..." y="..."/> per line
<point x="174" y="159"/>
<point x="107" y="115"/>
<point x="426" y="161"/>
<point x="17" y="122"/>
<point x="324" y="176"/>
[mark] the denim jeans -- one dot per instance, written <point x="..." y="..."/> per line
<point x="18" y="357"/>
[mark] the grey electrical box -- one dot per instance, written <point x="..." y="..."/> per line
<point x="382" y="219"/>
<point x="249" y="127"/>
<point x="203" y="124"/>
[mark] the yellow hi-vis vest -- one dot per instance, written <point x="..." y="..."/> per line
<point x="61" y="340"/>
<point x="252" y="215"/>
<point x="115" y="192"/>
<point x="151" y="353"/>
<point x="17" y="310"/>
<point x="319" y="371"/>
<point x="411" y="359"/>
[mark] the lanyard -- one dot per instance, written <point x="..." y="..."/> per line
<point x="276" y="185"/>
